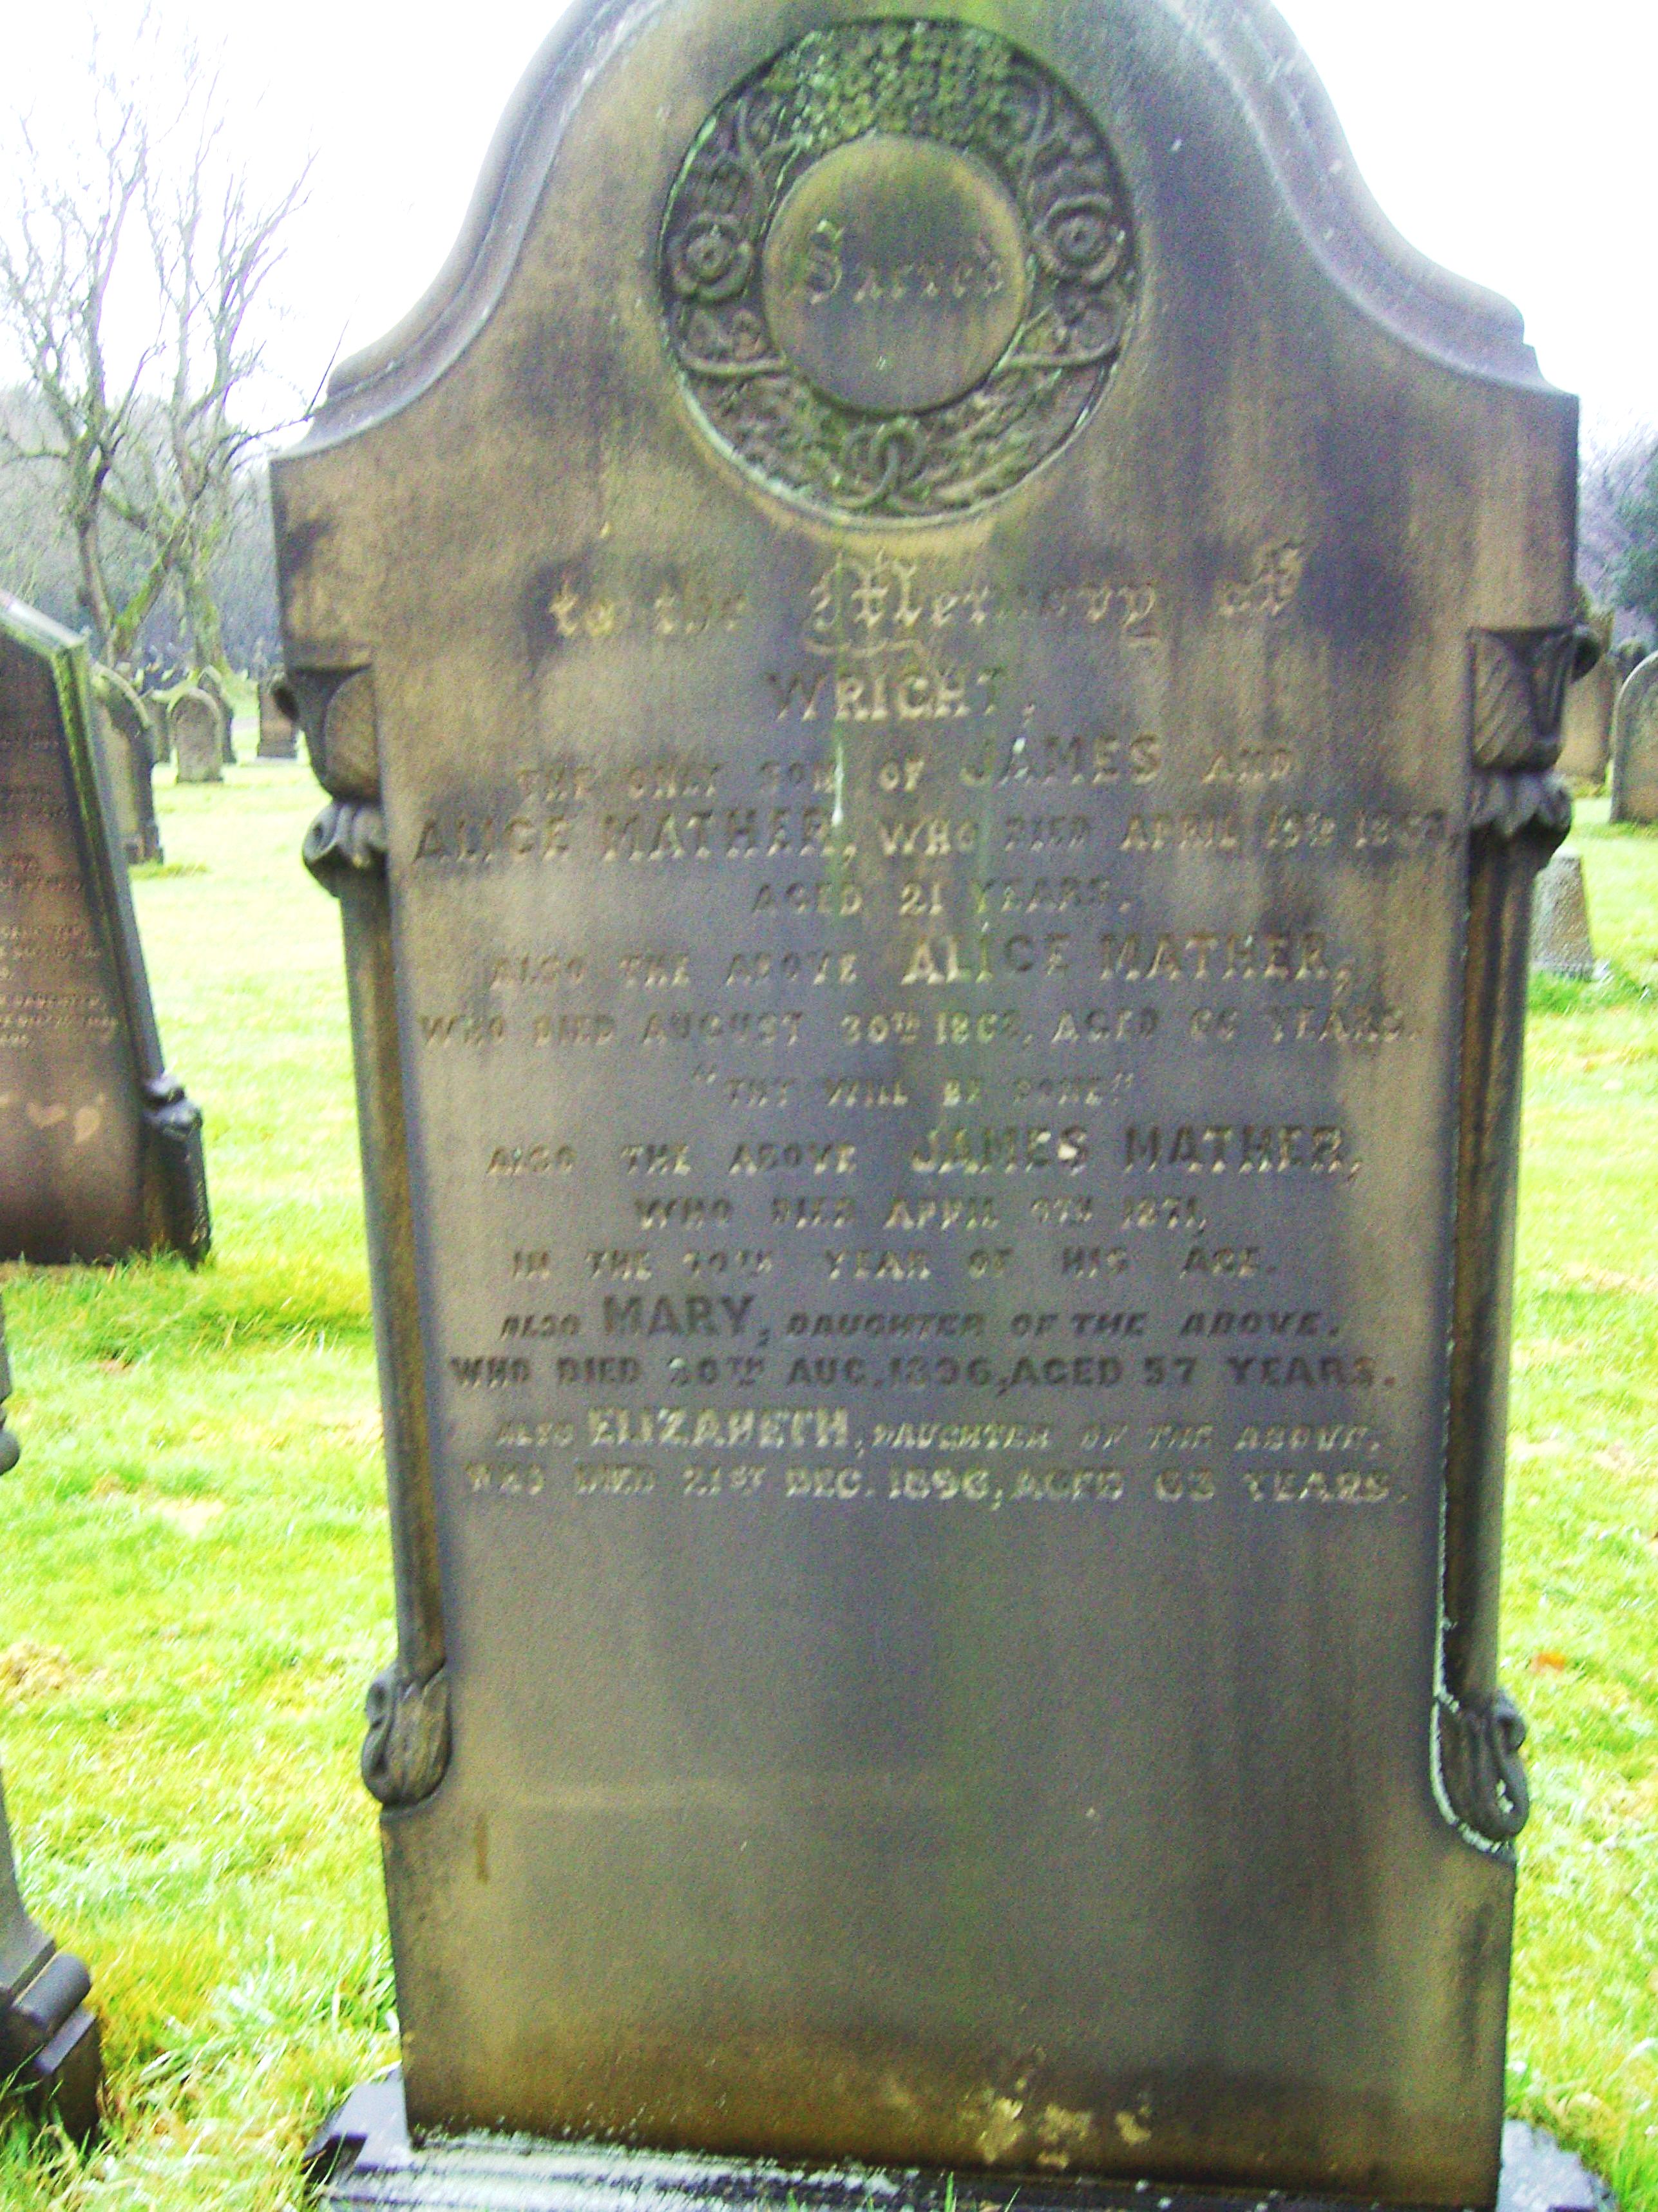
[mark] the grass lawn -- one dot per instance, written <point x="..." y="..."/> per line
<point x="194" y="1589"/>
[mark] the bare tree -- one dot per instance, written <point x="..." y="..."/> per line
<point x="1615" y="473"/>
<point x="214" y="247"/>
<point x="71" y="224"/>
<point x="159" y="209"/>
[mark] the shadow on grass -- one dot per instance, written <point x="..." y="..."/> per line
<point x="143" y="1309"/>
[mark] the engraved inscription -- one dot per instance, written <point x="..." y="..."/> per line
<point x="895" y="274"/>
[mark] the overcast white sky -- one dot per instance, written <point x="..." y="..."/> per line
<point x="1511" y="139"/>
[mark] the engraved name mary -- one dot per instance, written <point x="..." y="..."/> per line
<point x="898" y="268"/>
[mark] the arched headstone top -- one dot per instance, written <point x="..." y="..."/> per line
<point x="1251" y="69"/>
<point x="1638" y="686"/>
<point x="1635" y="746"/>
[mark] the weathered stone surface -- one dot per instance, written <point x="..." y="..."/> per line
<point x="210" y="681"/>
<point x="49" y="2041"/>
<point x="1634" y="747"/>
<point x="196" y="724"/>
<point x="124" y="731"/>
<point x="366" y="2156"/>
<point x="1561" y="942"/>
<point x="100" y="1151"/>
<point x="278" y="732"/>
<point x="1586" y="733"/>
<point x="155" y="706"/>
<point x="937" y="663"/>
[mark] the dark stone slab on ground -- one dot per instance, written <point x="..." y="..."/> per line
<point x="364" y="2157"/>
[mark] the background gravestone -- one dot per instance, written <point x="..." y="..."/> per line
<point x="155" y="705"/>
<point x="49" y="2044"/>
<point x="1560" y="943"/>
<point x="124" y="730"/>
<point x="210" y="681"/>
<point x="1586" y="735"/>
<point x="278" y="733"/>
<point x="938" y="663"/>
<point x="196" y="724"/>
<point x="1634" y="747"/>
<point x="100" y="1151"/>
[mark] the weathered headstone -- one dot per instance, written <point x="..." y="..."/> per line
<point x="1586" y="735"/>
<point x="1561" y="942"/>
<point x="124" y="730"/>
<point x="48" y="2045"/>
<point x="1634" y="747"/>
<point x="278" y="732"/>
<point x="197" y="728"/>
<point x="937" y="895"/>
<point x="155" y="705"/>
<point x="209" y="682"/>
<point x="100" y="1151"/>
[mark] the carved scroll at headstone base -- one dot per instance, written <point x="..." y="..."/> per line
<point x="100" y="1151"/>
<point x="939" y="668"/>
<point x="49" y="2041"/>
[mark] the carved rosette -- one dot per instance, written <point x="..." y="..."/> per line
<point x="944" y="85"/>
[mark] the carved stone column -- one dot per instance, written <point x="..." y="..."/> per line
<point x="406" y="1751"/>
<point x="1520" y="813"/>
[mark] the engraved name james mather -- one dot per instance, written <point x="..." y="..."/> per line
<point x="933" y="814"/>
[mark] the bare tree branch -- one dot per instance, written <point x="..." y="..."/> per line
<point x="159" y="206"/>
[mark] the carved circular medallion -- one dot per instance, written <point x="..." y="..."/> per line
<point x="855" y="307"/>
<point x="898" y="268"/>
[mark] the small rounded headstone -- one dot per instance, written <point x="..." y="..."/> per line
<point x="210" y="681"/>
<point x="197" y="728"/>
<point x="1561" y="945"/>
<point x="1586" y="732"/>
<point x="123" y="729"/>
<point x="1634" y="747"/>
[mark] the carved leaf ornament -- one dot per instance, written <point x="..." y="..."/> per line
<point x="943" y="85"/>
